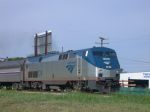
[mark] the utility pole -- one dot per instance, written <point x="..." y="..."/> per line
<point x="101" y="41"/>
<point x="62" y="49"/>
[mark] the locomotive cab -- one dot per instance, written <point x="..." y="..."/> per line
<point x="103" y="62"/>
<point x="106" y="63"/>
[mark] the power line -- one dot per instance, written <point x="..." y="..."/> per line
<point x="135" y="60"/>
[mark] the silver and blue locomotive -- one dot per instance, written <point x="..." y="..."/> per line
<point x="94" y="69"/>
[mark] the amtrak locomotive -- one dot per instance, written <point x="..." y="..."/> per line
<point x="94" y="69"/>
<point x="91" y="69"/>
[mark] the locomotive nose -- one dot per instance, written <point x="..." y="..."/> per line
<point x="107" y="74"/>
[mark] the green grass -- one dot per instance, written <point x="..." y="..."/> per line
<point x="20" y="101"/>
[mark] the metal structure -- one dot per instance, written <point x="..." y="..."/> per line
<point x="43" y="43"/>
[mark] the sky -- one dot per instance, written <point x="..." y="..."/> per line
<point x="77" y="24"/>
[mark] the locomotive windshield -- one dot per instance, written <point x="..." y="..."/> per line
<point x="104" y="54"/>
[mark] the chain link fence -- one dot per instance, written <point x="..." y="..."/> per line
<point x="134" y="90"/>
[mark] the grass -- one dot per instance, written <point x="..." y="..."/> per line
<point x="21" y="101"/>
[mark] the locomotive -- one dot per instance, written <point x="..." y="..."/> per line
<point x="93" y="69"/>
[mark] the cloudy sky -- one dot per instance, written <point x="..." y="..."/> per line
<point x="77" y="24"/>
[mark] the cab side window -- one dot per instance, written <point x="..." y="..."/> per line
<point x="60" y="57"/>
<point x="72" y="55"/>
<point x="63" y="56"/>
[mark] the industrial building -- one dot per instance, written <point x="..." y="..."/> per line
<point x="140" y="79"/>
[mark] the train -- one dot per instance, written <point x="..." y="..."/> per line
<point x="91" y="69"/>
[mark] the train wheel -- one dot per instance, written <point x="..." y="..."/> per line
<point x="15" y="86"/>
